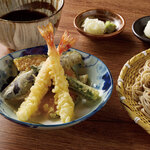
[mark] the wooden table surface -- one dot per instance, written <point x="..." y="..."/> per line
<point x="110" y="128"/>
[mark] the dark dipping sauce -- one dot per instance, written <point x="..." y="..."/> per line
<point x="24" y="15"/>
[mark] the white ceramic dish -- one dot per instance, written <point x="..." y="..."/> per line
<point x="99" y="76"/>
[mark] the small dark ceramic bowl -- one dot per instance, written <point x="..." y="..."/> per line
<point x="101" y="14"/>
<point x="138" y="28"/>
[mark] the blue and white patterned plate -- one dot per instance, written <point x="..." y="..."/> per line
<point x="99" y="76"/>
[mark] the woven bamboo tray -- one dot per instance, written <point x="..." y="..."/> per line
<point x="127" y="76"/>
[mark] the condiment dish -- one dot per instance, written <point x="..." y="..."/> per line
<point x="138" y="28"/>
<point x="103" y="15"/>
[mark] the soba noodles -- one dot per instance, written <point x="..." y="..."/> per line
<point x="141" y="89"/>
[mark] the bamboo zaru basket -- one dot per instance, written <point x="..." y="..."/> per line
<point x="128" y="74"/>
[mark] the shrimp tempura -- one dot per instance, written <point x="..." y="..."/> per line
<point x="43" y="79"/>
<point x="37" y="92"/>
<point x="63" y="100"/>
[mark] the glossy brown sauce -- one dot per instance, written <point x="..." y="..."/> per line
<point x="28" y="12"/>
<point x="23" y="15"/>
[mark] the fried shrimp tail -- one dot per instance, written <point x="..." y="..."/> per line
<point x="63" y="100"/>
<point x="66" y="42"/>
<point x="47" y="34"/>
